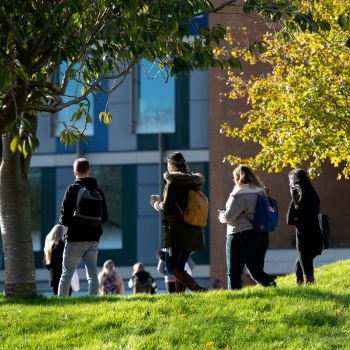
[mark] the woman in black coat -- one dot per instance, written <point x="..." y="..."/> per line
<point x="179" y="238"/>
<point x="53" y="253"/>
<point x="303" y="213"/>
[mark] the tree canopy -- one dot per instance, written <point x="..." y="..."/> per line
<point x="97" y="39"/>
<point x="299" y="110"/>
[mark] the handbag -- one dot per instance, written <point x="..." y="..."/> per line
<point x="325" y="229"/>
<point x="75" y="285"/>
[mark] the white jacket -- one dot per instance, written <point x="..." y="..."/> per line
<point x="240" y="209"/>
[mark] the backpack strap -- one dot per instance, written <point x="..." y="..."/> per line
<point x="177" y="204"/>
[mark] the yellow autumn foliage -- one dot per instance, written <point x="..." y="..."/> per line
<point x="300" y="109"/>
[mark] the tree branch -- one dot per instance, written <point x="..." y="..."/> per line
<point x="218" y="8"/>
<point x="17" y="36"/>
<point x="56" y="108"/>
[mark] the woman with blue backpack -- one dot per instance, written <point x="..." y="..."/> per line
<point x="303" y="213"/>
<point x="245" y="245"/>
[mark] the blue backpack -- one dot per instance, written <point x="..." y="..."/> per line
<point x="266" y="213"/>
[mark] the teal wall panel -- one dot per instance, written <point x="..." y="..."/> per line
<point x="127" y="255"/>
<point x="48" y="208"/>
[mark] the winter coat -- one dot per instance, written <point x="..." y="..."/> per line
<point x="303" y="213"/>
<point x="77" y="232"/>
<point x="55" y="266"/>
<point x="240" y="209"/>
<point x="176" y="233"/>
<point x="142" y="282"/>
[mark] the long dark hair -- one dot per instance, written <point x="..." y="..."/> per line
<point x="178" y="160"/>
<point x="299" y="178"/>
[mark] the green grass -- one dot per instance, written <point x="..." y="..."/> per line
<point x="286" y="317"/>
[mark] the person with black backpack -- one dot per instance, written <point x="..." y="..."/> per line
<point x="245" y="244"/>
<point x="142" y="281"/>
<point x="180" y="238"/>
<point x="83" y="211"/>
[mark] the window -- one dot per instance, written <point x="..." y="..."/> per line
<point x="34" y="182"/>
<point x="155" y="102"/>
<point x="109" y="179"/>
<point x="65" y="115"/>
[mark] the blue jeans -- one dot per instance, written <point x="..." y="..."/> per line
<point x="247" y="248"/>
<point x="73" y="251"/>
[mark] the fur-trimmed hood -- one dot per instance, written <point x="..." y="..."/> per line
<point x="192" y="180"/>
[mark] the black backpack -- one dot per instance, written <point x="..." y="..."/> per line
<point x="142" y="285"/>
<point x="88" y="207"/>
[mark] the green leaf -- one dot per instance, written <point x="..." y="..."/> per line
<point x="26" y="148"/>
<point x="14" y="144"/>
<point x="343" y="20"/>
<point x="325" y="26"/>
<point x="347" y="43"/>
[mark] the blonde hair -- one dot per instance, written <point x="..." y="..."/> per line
<point x="138" y="267"/>
<point x="53" y="238"/>
<point x="244" y="175"/>
<point x="109" y="269"/>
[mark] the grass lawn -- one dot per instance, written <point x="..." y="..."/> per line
<point x="286" y="317"/>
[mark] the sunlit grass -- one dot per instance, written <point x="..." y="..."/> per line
<point x="286" y="317"/>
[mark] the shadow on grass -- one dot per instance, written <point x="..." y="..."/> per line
<point x="54" y="300"/>
<point x="305" y="292"/>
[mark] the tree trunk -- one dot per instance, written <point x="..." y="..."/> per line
<point x="15" y="223"/>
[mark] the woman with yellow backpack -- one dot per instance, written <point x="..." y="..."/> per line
<point x="180" y="238"/>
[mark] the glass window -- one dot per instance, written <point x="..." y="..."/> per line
<point x="34" y="182"/>
<point x="65" y="115"/>
<point x="109" y="179"/>
<point x="156" y="101"/>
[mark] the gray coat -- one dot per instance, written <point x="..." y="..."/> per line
<point x="240" y="209"/>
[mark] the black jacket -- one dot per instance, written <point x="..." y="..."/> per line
<point x="303" y="213"/>
<point x="176" y="233"/>
<point x="143" y="282"/>
<point x="55" y="267"/>
<point x="78" y="232"/>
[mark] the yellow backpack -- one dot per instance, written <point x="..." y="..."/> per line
<point x="196" y="212"/>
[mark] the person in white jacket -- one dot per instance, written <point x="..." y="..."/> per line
<point x="245" y="246"/>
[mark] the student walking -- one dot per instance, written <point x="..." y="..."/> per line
<point x="109" y="279"/>
<point x="245" y="246"/>
<point x="179" y="238"/>
<point x="141" y="280"/>
<point x="53" y="254"/>
<point x="303" y="214"/>
<point x="169" y="280"/>
<point x="83" y="212"/>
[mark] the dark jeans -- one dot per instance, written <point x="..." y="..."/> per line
<point x="170" y="287"/>
<point x="177" y="260"/>
<point x="247" y="248"/>
<point x="304" y="264"/>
